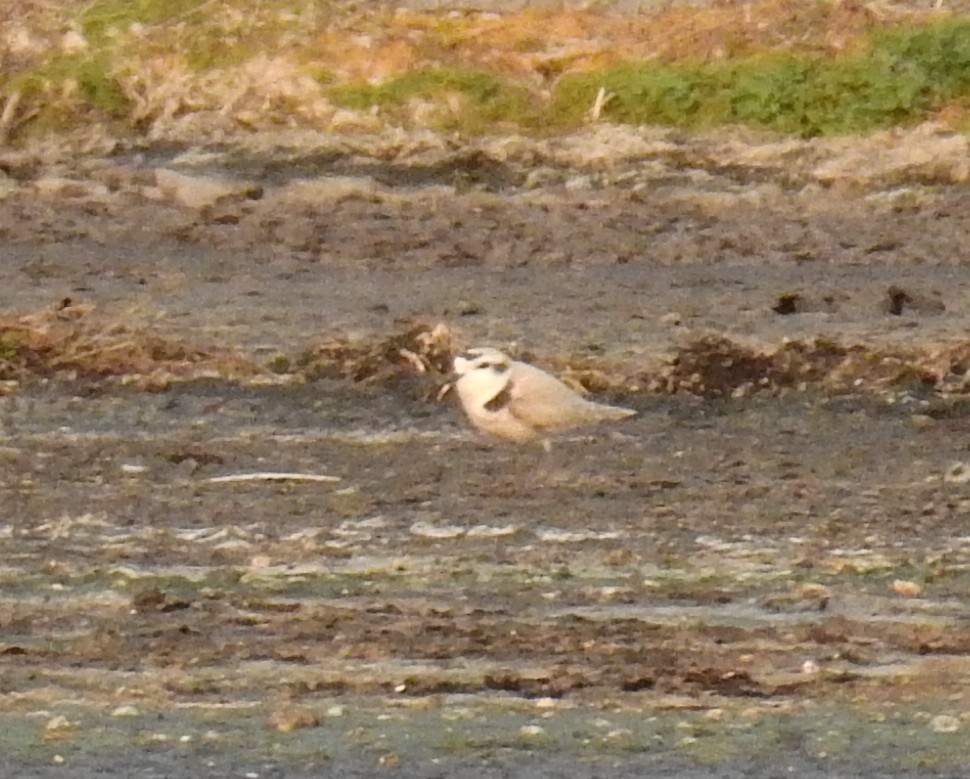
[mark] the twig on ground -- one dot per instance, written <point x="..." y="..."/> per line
<point x="602" y="98"/>
<point x="270" y="476"/>
<point x="7" y="117"/>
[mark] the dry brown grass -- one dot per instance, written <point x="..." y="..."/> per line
<point x="541" y="43"/>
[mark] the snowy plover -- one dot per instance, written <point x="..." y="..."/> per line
<point x="518" y="401"/>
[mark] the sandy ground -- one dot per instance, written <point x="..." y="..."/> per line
<point x="750" y="587"/>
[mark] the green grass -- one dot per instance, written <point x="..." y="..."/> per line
<point x="101" y="18"/>
<point x="899" y="77"/>
<point x="487" y="99"/>
<point x="9" y="344"/>
<point x="204" y="37"/>
<point x="64" y="83"/>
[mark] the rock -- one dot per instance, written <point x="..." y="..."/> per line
<point x="672" y="319"/>
<point x="73" y="42"/>
<point x="922" y="421"/>
<point x="327" y="189"/>
<point x="198" y="191"/>
<point x="542" y="176"/>
<point x="815" y="591"/>
<point x="899" y="301"/>
<point x="578" y="183"/>
<point x="7" y="186"/>
<point x="958" y="473"/>
<point x="606" y="145"/>
<point x="944" y="723"/>
<point x="906" y="589"/>
<point x="789" y="303"/>
<point x="57" y="186"/>
<point x="289" y="719"/>
<point x="344" y="120"/>
<point x="59" y="722"/>
<point x="21" y="41"/>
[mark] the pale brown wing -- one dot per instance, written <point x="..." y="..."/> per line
<point x="543" y="401"/>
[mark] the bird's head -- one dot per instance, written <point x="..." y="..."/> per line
<point x="484" y="374"/>
<point x="482" y="358"/>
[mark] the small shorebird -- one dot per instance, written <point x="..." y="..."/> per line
<point x="519" y="402"/>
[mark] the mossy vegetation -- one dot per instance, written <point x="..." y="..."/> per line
<point x="68" y="89"/>
<point x="104" y="18"/>
<point x="484" y="99"/>
<point x="899" y="76"/>
<point x="206" y="35"/>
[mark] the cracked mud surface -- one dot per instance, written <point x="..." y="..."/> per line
<point x="713" y="588"/>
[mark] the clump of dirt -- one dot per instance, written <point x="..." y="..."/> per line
<point x="69" y="341"/>
<point x="422" y="350"/>
<point x="716" y="366"/>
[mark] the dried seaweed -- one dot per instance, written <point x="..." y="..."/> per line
<point x="70" y="341"/>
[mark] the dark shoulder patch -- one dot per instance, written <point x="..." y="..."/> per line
<point x="501" y="400"/>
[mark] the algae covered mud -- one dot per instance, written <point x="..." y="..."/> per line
<point x="707" y="589"/>
<point x="243" y="533"/>
<point x="769" y="581"/>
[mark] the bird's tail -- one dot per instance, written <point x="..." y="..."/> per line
<point x="604" y="411"/>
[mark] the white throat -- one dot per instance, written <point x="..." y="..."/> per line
<point x="478" y="384"/>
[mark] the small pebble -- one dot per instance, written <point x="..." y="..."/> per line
<point x="906" y="589"/>
<point x="944" y="723"/>
<point x="673" y="319"/>
<point x="60" y="722"/>
<point x="958" y="473"/>
<point x="287" y="720"/>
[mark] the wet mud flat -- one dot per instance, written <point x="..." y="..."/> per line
<point x="709" y="585"/>
<point x="773" y="582"/>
